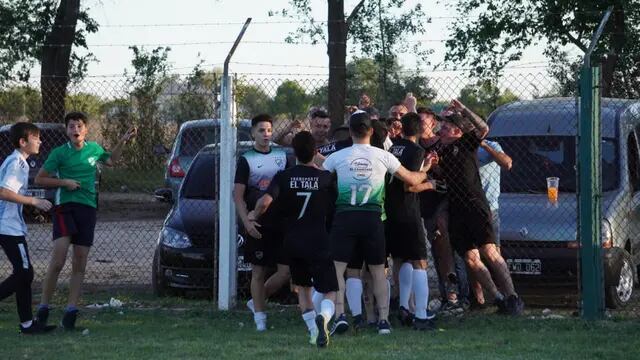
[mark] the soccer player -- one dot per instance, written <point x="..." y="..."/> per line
<point x="470" y="227"/>
<point x="405" y="233"/>
<point x="263" y="248"/>
<point x="361" y="171"/>
<point x="14" y="178"/>
<point x="72" y="168"/>
<point x="304" y="193"/>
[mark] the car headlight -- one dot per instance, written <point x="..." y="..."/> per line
<point x="607" y="234"/>
<point x="174" y="238"/>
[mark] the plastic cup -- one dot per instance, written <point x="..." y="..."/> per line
<point x="552" y="189"/>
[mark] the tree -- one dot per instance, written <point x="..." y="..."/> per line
<point x="376" y="27"/>
<point x="19" y="103"/>
<point x="499" y="35"/>
<point x="485" y="96"/>
<point x="90" y="104"/>
<point x="251" y="99"/>
<point x="195" y="97"/>
<point x="291" y="100"/>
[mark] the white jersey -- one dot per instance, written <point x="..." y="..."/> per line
<point x="14" y="176"/>
<point x="361" y="171"/>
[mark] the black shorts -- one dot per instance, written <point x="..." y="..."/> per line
<point x="431" y="222"/>
<point x="358" y="231"/>
<point x="406" y="240"/>
<point x="470" y="227"/>
<point x="267" y="251"/>
<point x="77" y="221"/>
<point x="317" y="272"/>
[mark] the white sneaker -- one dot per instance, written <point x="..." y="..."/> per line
<point x="261" y="326"/>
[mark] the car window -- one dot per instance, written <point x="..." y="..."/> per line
<point x="200" y="180"/>
<point x="194" y="139"/>
<point x="634" y="165"/>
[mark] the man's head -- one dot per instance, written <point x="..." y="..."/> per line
<point x="396" y="112"/>
<point x="76" y="124"/>
<point x="26" y="137"/>
<point x="450" y="130"/>
<point x="262" y="129"/>
<point x="374" y="114"/>
<point x="411" y="125"/>
<point x="304" y="147"/>
<point x="320" y="125"/>
<point x="341" y="133"/>
<point x="360" y="125"/>
<point x="429" y="120"/>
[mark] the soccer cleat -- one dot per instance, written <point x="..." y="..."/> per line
<point x="323" y="333"/>
<point x="42" y="315"/>
<point x="423" y="324"/>
<point x="69" y="320"/>
<point x="430" y="315"/>
<point x="384" y="327"/>
<point x="340" y="325"/>
<point x="451" y="308"/>
<point x="359" y="323"/>
<point x="405" y="317"/>
<point x="514" y="305"/>
<point x="36" y="328"/>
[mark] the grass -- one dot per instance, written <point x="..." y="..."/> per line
<point x="135" y="180"/>
<point x="148" y="328"/>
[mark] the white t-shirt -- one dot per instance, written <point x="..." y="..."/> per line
<point x="14" y="176"/>
<point x="361" y="171"/>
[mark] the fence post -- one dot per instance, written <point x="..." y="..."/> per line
<point x="589" y="179"/>
<point x="227" y="232"/>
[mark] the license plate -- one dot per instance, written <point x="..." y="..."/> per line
<point x="525" y="266"/>
<point x="39" y="193"/>
<point x="243" y="266"/>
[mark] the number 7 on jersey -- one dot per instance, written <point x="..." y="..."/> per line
<point x="307" y="196"/>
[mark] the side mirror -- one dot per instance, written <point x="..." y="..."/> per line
<point x="163" y="195"/>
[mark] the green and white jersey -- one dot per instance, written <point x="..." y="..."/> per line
<point x="67" y="162"/>
<point x="361" y="171"/>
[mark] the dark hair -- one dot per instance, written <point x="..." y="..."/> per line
<point x="411" y="124"/>
<point x="22" y="130"/>
<point x="304" y="146"/>
<point x="359" y="124"/>
<point x="75" y="115"/>
<point x="261" y="118"/>
<point x="426" y="110"/>
<point x="371" y="111"/>
<point x="319" y="114"/>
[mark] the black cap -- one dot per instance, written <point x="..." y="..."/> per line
<point x="453" y="117"/>
<point x="359" y="120"/>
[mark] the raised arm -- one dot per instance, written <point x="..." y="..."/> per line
<point x="481" y="129"/>
<point x="500" y="157"/>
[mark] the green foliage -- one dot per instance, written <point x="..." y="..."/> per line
<point x="485" y="96"/>
<point x="290" y="100"/>
<point x="20" y="103"/>
<point x="90" y="104"/>
<point x="24" y="25"/>
<point x="251" y="99"/>
<point x="194" y="98"/>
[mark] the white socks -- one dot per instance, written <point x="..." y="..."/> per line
<point x="260" y="319"/>
<point x="317" y="299"/>
<point x="310" y="319"/>
<point x="328" y="308"/>
<point x="354" y="295"/>
<point x="421" y="289"/>
<point x="405" y="276"/>
<point x="250" y="305"/>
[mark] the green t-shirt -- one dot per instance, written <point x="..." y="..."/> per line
<point x="66" y="162"/>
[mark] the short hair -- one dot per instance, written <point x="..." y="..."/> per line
<point x="318" y="113"/>
<point x="411" y="124"/>
<point x="426" y="110"/>
<point x="22" y="130"/>
<point x="304" y="146"/>
<point x="75" y="115"/>
<point x="373" y="112"/>
<point x="261" y="118"/>
<point x="359" y="123"/>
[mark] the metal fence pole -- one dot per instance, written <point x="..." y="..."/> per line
<point x="226" y="209"/>
<point x="589" y="188"/>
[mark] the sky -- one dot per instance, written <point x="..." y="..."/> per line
<point x="134" y="22"/>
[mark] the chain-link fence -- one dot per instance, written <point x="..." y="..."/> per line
<point x="157" y="208"/>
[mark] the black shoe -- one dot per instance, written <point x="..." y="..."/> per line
<point x="451" y="308"/>
<point x="358" y="323"/>
<point x="323" y="334"/>
<point x="423" y="324"/>
<point x="514" y="305"/>
<point x="36" y="328"/>
<point x="384" y="327"/>
<point x="340" y="325"/>
<point x="502" y="307"/>
<point x="42" y="315"/>
<point x="69" y="320"/>
<point x="405" y="317"/>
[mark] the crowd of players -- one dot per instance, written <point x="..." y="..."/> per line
<point x="332" y="221"/>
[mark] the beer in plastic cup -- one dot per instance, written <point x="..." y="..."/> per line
<point x="552" y="189"/>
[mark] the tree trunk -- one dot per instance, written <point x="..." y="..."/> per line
<point x="616" y="46"/>
<point x="56" y="56"/>
<point x="337" y="51"/>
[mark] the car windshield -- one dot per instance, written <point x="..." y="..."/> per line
<point x="200" y="180"/>
<point x="537" y="157"/>
<point x="195" y="138"/>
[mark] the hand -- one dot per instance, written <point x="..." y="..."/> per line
<point x="457" y="105"/>
<point x="251" y="227"/>
<point x="71" y="184"/>
<point x="295" y="125"/>
<point x="432" y="158"/>
<point x="251" y="216"/>
<point x="130" y="134"/>
<point x="41" y="204"/>
<point x="410" y="102"/>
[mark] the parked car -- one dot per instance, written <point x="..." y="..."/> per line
<point x="193" y="136"/>
<point x="539" y="238"/>
<point x="185" y="252"/>
<point x="52" y="135"/>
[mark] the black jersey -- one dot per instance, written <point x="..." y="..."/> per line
<point x="304" y="194"/>
<point x="429" y="199"/>
<point x="401" y="205"/>
<point x="330" y="148"/>
<point x="459" y="164"/>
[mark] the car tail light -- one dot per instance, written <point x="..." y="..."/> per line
<point x="175" y="170"/>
